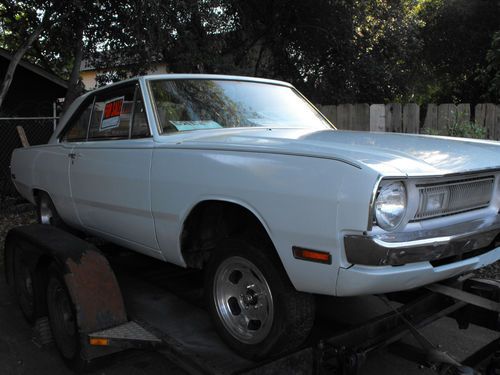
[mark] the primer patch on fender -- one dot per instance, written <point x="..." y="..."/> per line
<point x="195" y="125"/>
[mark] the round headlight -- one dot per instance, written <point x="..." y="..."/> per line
<point x="390" y="205"/>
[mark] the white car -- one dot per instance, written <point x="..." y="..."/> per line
<point x="244" y="178"/>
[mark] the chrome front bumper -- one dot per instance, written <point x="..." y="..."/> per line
<point x="398" y="249"/>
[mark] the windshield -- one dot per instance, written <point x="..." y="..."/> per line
<point x="195" y="104"/>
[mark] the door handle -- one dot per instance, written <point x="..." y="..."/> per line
<point x="72" y="155"/>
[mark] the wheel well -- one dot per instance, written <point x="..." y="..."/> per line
<point x="37" y="193"/>
<point x="212" y="221"/>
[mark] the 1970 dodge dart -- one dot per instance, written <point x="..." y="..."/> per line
<point x="244" y="178"/>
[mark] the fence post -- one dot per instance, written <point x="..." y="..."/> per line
<point x="361" y="117"/>
<point x="489" y="120"/>
<point x="431" y="118"/>
<point x="330" y="112"/>
<point x="393" y="118"/>
<point x="411" y="118"/>
<point x="447" y="116"/>
<point x="344" y="116"/>
<point x="463" y="113"/>
<point x="377" y="118"/>
<point x="497" y="122"/>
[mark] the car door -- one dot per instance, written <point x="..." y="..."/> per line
<point x="53" y="161"/>
<point x="109" y="173"/>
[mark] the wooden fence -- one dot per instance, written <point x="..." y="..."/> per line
<point x="412" y="118"/>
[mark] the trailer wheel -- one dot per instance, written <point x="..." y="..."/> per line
<point x="29" y="288"/>
<point x="254" y="307"/>
<point x="47" y="213"/>
<point x="63" y="323"/>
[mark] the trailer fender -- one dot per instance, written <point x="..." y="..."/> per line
<point x="91" y="282"/>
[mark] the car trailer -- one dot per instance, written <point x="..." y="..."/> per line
<point x="98" y="304"/>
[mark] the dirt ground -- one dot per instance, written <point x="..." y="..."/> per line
<point x="13" y="217"/>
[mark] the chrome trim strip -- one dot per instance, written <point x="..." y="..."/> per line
<point x="372" y="203"/>
<point x="425" y="245"/>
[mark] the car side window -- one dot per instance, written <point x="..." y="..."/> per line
<point x="140" y="127"/>
<point x="112" y="114"/>
<point x="77" y="129"/>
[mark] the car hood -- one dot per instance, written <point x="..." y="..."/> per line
<point x="390" y="154"/>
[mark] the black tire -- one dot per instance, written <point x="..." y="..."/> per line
<point x="63" y="322"/>
<point x="239" y="280"/>
<point x="29" y="287"/>
<point x="46" y="211"/>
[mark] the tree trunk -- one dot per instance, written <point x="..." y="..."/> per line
<point x="14" y="62"/>
<point x="75" y="88"/>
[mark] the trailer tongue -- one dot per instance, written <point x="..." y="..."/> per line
<point x="115" y="308"/>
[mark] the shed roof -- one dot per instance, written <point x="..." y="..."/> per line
<point x="36" y="69"/>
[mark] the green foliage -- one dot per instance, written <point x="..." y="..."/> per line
<point x="463" y="129"/>
<point x="455" y="37"/>
<point x="491" y="74"/>
<point x="335" y="51"/>
<point x="467" y="129"/>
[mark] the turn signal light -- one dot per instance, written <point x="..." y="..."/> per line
<point x="311" y="255"/>
<point x="99" y="341"/>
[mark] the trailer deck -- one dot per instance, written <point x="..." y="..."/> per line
<point x="167" y="302"/>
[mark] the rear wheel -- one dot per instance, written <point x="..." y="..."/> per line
<point x="255" y="308"/>
<point x="46" y="211"/>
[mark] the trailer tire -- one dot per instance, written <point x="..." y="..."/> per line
<point x="63" y="322"/>
<point x="255" y="308"/>
<point x="29" y="287"/>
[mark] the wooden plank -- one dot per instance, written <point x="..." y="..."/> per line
<point x="431" y="118"/>
<point x="497" y="123"/>
<point x="330" y="112"/>
<point x="393" y="118"/>
<point x="489" y="120"/>
<point x="361" y="117"/>
<point x="411" y="118"/>
<point x="463" y="113"/>
<point x="479" y="114"/>
<point x="22" y="136"/>
<point x="377" y="118"/>
<point x="344" y="116"/>
<point x="447" y="117"/>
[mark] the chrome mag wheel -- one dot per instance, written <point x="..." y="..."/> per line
<point x="46" y="212"/>
<point x="243" y="300"/>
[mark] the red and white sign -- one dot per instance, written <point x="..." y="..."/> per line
<point x="111" y="113"/>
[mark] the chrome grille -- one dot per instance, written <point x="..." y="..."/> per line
<point x="453" y="197"/>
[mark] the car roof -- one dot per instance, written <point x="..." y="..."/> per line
<point x="151" y="77"/>
<point x="172" y="76"/>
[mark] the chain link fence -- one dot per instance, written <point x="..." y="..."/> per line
<point x="38" y="131"/>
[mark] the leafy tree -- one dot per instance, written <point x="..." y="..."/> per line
<point x="490" y="76"/>
<point x="333" y="50"/>
<point x="22" y="25"/>
<point x="456" y="35"/>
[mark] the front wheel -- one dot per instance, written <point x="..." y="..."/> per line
<point x="255" y="308"/>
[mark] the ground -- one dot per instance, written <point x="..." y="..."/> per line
<point x="20" y="355"/>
